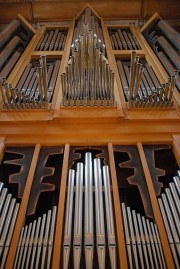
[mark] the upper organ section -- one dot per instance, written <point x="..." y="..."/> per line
<point x="88" y="80"/>
<point x="88" y="63"/>
<point x="13" y="41"/>
<point x="94" y="24"/>
<point x="165" y="42"/>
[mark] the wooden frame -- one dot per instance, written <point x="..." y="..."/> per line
<point x="156" y="209"/>
<point x="2" y="148"/>
<point x="71" y="126"/>
<point x="56" y="261"/>
<point x="122" y="255"/>
<point x="22" y="209"/>
<point x="176" y="147"/>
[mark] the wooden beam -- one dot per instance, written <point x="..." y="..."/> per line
<point x="127" y="53"/>
<point x="122" y="255"/>
<point x="53" y="26"/>
<point x="57" y="98"/>
<point x="152" y="59"/>
<point x="25" y="58"/>
<point x="156" y="209"/>
<point x="56" y="261"/>
<point x="154" y="17"/>
<point x="118" y="91"/>
<point x="120" y="26"/>
<point x="176" y="147"/>
<point x="26" y="23"/>
<point x="22" y="210"/>
<point x="49" y="54"/>
<point x="2" y="148"/>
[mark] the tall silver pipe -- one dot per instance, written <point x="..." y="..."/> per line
<point x="77" y="75"/>
<point x="30" y="243"/>
<point x="171" y="223"/>
<point x="159" y="254"/>
<point x="26" y="246"/>
<point x="51" y="236"/>
<point x="126" y="228"/>
<point x="169" y="234"/>
<point x="5" y="211"/>
<point x="6" y="225"/>
<point x="137" y="239"/>
<point x="9" y="235"/>
<point x="176" y="198"/>
<point x="173" y="210"/>
<point x="132" y="74"/>
<point x="138" y="79"/>
<point x="68" y="219"/>
<point x="143" y="241"/>
<point x="19" y="247"/>
<point x="44" y="72"/>
<point x="2" y="198"/>
<point x="40" y="241"/>
<point x="35" y="243"/>
<point x="1" y="186"/>
<point x="46" y="237"/>
<point x="132" y="237"/>
<point x="22" y="247"/>
<point x="177" y="184"/>
<point x="77" y="244"/>
<point x="109" y="217"/>
<point x="40" y="83"/>
<point x="100" y="227"/>
<point x="147" y="241"/>
<point x="155" y="255"/>
<point x="160" y="245"/>
<point x="88" y="228"/>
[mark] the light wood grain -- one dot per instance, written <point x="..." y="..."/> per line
<point x="2" y="148"/>
<point x="122" y="255"/>
<point x="56" y="261"/>
<point x="22" y="210"/>
<point x="176" y="147"/>
<point x="26" y="23"/>
<point x="156" y="209"/>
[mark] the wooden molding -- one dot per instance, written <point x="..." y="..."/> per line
<point x="2" y="148"/>
<point x="56" y="260"/>
<point x="57" y="98"/>
<point x="118" y="91"/>
<point x="176" y="147"/>
<point x="22" y="210"/>
<point x="25" y="58"/>
<point x="26" y="23"/>
<point x="122" y="255"/>
<point x="156" y="209"/>
<point x="155" y="16"/>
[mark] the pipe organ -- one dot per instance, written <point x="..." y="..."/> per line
<point x="89" y="144"/>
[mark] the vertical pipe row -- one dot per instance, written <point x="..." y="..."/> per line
<point x="94" y="177"/>
<point x="88" y="80"/>
<point x="142" y="239"/>
<point x="169" y="203"/>
<point x="36" y="242"/>
<point x="8" y="214"/>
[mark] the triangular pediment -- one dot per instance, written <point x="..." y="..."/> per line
<point x="89" y="17"/>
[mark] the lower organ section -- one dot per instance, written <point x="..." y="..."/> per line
<point x="89" y="231"/>
<point x="83" y="206"/>
<point x="9" y="208"/>
<point x="36" y="242"/>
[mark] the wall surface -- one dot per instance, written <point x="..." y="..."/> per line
<point x="107" y="9"/>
